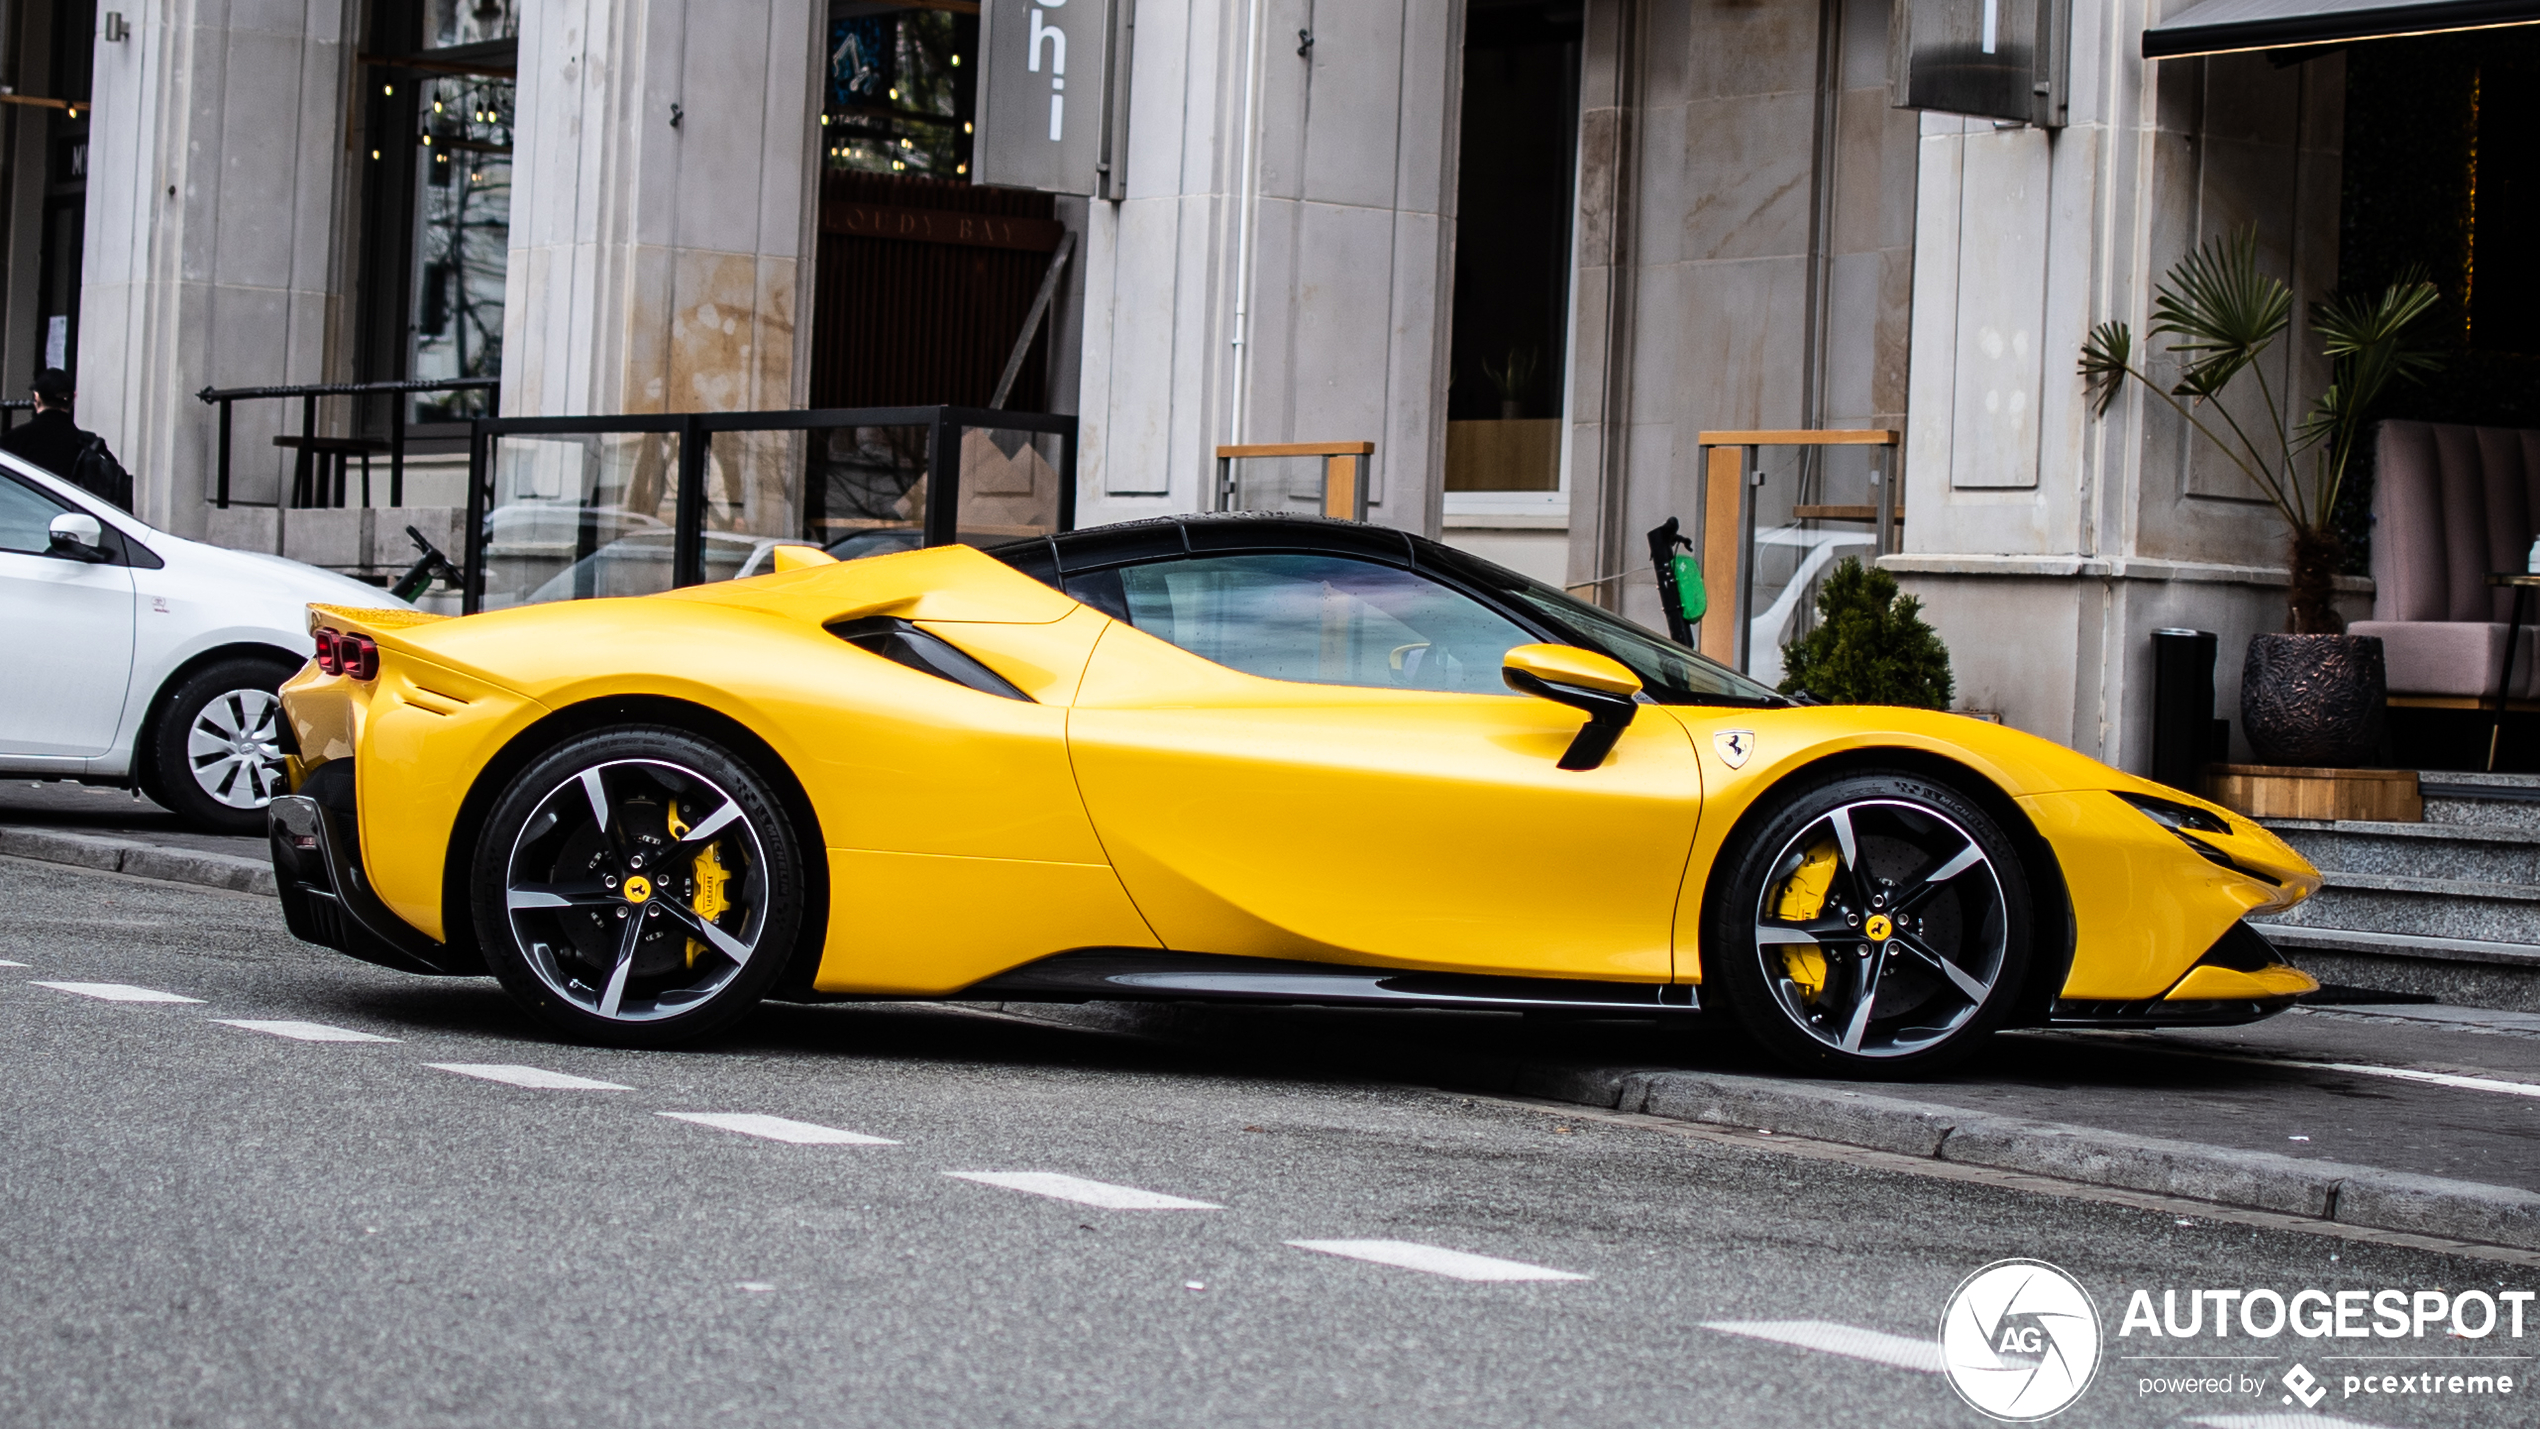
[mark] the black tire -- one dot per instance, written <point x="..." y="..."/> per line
<point x="563" y="887"/>
<point x="215" y="747"/>
<point x="1832" y="893"/>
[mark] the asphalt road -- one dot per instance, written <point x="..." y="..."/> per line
<point x="211" y="1225"/>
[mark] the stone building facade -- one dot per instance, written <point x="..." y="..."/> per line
<point x="1316" y="200"/>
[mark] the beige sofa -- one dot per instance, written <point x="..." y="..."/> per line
<point x="2450" y="505"/>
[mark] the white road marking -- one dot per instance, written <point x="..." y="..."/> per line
<point x="1876" y="1346"/>
<point x="1436" y="1260"/>
<point x="303" y="1031"/>
<point x="5" y="963"/>
<point x="777" y="1128"/>
<point x="520" y="1076"/>
<point x="2403" y="1074"/>
<point x="1084" y="1192"/>
<point x="116" y="992"/>
<point x="2289" y="1419"/>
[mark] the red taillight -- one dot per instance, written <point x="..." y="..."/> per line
<point x="342" y="654"/>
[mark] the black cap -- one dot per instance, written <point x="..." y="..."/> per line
<point x="53" y="384"/>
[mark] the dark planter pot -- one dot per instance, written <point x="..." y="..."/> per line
<point x="2314" y="700"/>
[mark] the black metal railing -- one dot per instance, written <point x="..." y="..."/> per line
<point x="940" y="467"/>
<point x="319" y="475"/>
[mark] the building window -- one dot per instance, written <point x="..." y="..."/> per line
<point x="2503" y="209"/>
<point x="438" y="123"/>
<point x="1515" y="192"/>
<point x="902" y="89"/>
<point x="47" y="185"/>
<point x="2440" y="171"/>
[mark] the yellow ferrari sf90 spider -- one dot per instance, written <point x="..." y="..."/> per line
<point x="1275" y="759"/>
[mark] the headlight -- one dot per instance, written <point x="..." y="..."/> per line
<point x="2176" y="817"/>
<point x="2187" y="821"/>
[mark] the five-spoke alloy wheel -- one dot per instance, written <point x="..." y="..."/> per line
<point x="1877" y="924"/>
<point x="638" y="886"/>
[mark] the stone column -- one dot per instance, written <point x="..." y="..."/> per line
<point x="1345" y="249"/>
<point x="216" y="170"/>
<point x="1744" y="261"/>
<point x="665" y="196"/>
<point x="2046" y="542"/>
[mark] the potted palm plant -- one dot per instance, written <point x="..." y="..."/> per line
<point x="2314" y="695"/>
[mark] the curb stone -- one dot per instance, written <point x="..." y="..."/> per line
<point x="141" y="860"/>
<point x="2340" y="1192"/>
<point x="2348" y="1194"/>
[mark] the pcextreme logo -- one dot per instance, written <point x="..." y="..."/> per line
<point x="2020" y="1340"/>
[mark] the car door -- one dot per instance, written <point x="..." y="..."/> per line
<point x="1314" y="756"/>
<point x="65" y="636"/>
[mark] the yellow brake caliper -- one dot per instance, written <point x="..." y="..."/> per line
<point x="711" y="900"/>
<point x="1801" y="898"/>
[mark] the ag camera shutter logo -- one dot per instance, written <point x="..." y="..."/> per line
<point x="2020" y="1340"/>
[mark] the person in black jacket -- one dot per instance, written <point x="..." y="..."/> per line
<point x="54" y="442"/>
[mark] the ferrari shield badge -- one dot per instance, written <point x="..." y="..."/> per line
<point x="1734" y="745"/>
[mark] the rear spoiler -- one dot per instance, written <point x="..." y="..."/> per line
<point x="371" y="621"/>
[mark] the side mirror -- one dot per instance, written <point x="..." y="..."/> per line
<point x="77" y="536"/>
<point x="1599" y="686"/>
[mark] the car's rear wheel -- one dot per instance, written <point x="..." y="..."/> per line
<point x="638" y="886"/>
<point x="1876" y="924"/>
<point x="216" y="747"/>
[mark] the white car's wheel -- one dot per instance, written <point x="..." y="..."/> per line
<point x="218" y="745"/>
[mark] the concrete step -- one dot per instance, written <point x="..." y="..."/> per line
<point x="2443" y="851"/>
<point x="2424" y="907"/>
<point x="2462" y="798"/>
<point x="2466" y="972"/>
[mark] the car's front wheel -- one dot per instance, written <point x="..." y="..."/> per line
<point x="1875" y="924"/>
<point x="216" y="747"/>
<point x="638" y="886"/>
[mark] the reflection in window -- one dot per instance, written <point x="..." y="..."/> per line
<point x="463" y="220"/>
<point x="901" y="89"/>
<point x="26" y="518"/>
<point x="1322" y="620"/>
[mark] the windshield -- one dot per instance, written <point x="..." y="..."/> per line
<point x="1672" y="674"/>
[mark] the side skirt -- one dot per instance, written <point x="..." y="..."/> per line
<point x="1131" y="974"/>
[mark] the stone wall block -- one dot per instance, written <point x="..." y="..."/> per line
<point x="245" y="528"/>
<point x="2001" y="355"/>
<point x="1414" y="437"/>
<point x="1343" y="305"/>
<point x="1743" y="332"/>
<point x="1736" y="47"/>
<point x="1746" y="180"/>
<point x="1875" y="152"/>
<point x="337" y="537"/>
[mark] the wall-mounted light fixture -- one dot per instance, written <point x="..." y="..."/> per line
<point x="116" y="31"/>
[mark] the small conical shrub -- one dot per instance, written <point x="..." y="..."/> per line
<point x="1870" y="646"/>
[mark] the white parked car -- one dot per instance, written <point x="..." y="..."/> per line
<point x="139" y="658"/>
